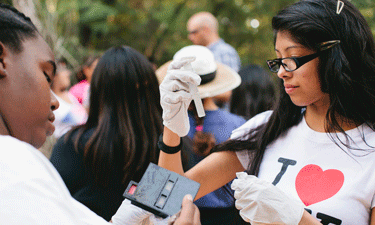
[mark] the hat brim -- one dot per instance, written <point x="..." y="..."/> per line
<point x="226" y="79"/>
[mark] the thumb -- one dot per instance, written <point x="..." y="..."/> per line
<point x="187" y="208"/>
<point x="187" y="199"/>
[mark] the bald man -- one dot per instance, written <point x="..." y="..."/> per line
<point x="203" y="29"/>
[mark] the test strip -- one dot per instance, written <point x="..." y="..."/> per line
<point x="197" y="99"/>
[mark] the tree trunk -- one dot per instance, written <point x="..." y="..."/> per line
<point x="27" y="7"/>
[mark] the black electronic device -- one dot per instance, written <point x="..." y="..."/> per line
<point x="160" y="191"/>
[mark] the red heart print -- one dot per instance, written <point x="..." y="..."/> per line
<point x="315" y="185"/>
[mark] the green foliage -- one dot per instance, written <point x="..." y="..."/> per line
<point x="9" y="2"/>
<point x="157" y="28"/>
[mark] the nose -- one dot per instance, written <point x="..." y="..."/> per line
<point x="54" y="102"/>
<point x="282" y="73"/>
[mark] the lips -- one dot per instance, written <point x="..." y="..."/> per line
<point x="290" y="88"/>
<point x="51" y="127"/>
<point x="51" y="117"/>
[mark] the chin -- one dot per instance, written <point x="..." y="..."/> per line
<point x="39" y="142"/>
<point x="300" y="104"/>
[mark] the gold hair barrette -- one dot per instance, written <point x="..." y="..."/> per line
<point x="340" y="6"/>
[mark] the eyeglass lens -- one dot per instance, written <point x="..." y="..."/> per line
<point x="289" y="65"/>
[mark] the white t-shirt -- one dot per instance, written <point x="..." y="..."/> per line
<point x="334" y="184"/>
<point x="32" y="191"/>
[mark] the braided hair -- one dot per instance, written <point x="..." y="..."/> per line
<point x="15" y="27"/>
<point x="203" y="141"/>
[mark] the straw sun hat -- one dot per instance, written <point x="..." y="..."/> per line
<point x="217" y="78"/>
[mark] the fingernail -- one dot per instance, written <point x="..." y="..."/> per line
<point x="189" y="197"/>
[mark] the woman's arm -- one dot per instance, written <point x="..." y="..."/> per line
<point x="171" y="162"/>
<point x="212" y="172"/>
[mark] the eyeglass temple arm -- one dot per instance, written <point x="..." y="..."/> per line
<point x="323" y="46"/>
<point x="306" y="59"/>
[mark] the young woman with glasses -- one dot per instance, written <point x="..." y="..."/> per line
<point x="311" y="158"/>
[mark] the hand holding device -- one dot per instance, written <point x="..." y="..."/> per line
<point x="129" y="214"/>
<point x="260" y="202"/>
<point x="176" y="92"/>
<point x="160" y="191"/>
<point x="189" y="213"/>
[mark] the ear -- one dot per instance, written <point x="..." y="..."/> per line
<point x="3" y="55"/>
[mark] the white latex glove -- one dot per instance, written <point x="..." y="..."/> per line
<point x="159" y="221"/>
<point x="260" y="202"/>
<point x="130" y="214"/>
<point x="175" y="96"/>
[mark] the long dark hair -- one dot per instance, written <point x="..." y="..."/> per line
<point x="15" y="27"/>
<point x="256" y="93"/>
<point x="125" y="114"/>
<point x="347" y="73"/>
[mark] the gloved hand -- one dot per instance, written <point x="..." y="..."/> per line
<point x="128" y="213"/>
<point x="159" y="221"/>
<point x="261" y="202"/>
<point x="175" y="96"/>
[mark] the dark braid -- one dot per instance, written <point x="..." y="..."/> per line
<point x="203" y="142"/>
<point x="15" y="27"/>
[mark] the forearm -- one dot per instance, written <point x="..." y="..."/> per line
<point x="171" y="162"/>
<point x="308" y="219"/>
<point x="213" y="172"/>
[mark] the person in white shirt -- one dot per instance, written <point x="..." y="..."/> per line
<point x="311" y="158"/>
<point x="31" y="190"/>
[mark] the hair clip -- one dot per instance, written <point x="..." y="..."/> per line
<point x="199" y="128"/>
<point x="340" y="6"/>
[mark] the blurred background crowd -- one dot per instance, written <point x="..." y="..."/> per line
<point x="156" y="28"/>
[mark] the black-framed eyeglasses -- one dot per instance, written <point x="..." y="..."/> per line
<point x="293" y="63"/>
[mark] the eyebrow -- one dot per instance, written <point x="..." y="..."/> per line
<point x="290" y="47"/>
<point x="54" y="66"/>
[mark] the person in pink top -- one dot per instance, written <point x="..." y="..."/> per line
<point x="80" y="90"/>
<point x="71" y="112"/>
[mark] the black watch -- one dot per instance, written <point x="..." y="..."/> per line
<point x="167" y="149"/>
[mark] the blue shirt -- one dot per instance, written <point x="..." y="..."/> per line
<point x="221" y="124"/>
<point x="225" y="54"/>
